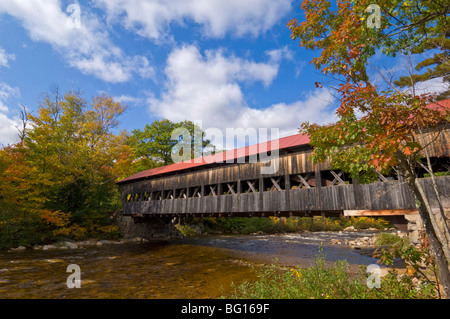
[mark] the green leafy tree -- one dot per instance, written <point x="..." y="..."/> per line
<point x="437" y="66"/>
<point x="154" y="144"/>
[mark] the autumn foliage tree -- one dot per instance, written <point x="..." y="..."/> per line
<point x="59" y="180"/>
<point x="63" y="174"/>
<point x="378" y="125"/>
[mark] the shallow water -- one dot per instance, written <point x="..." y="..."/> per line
<point x="202" y="267"/>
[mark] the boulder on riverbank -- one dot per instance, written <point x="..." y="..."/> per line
<point x="361" y="242"/>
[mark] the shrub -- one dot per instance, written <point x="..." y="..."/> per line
<point x="367" y="222"/>
<point x="326" y="281"/>
<point x="247" y="225"/>
<point x="186" y="230"/>
<point x="22" y="229"/>
<point x="420" y="263"/>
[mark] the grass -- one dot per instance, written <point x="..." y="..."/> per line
<point x="327" y="281"/>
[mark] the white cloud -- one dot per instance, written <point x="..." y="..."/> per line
<point x="315" y="108"/>
<point x="5" y="58"/>
<point x="8" y="125"/>
<point x="152" y="18"/>
<point x="207" y="88"/>
<point x="127" y="99"/>
<point x="86" y="47"/>
<point x="432" y="86"/>
<point x="6" y="93"/>
<point x="277" y="55"/>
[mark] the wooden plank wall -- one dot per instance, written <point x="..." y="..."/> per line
<point x="288" y="164"/>
<point x="376" y="196"/>
<point x="437" y="141"/>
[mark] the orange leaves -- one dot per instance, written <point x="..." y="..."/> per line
<point x="60" y="222"/>
<point x="407" y="151"/>
<point x="56" y="218"/>
<point x="339" y="35"/>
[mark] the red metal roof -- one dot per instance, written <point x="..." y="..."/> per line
<point x="225" y="157"/>
<point x="443" y="105"/>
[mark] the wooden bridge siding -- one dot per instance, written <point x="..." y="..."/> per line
<point x="383" y="195"/>
<point x="375" y="196"/>
<point x="288" y="164"/>
<point x="438" y="142"/>
<point x="443" y="184"/>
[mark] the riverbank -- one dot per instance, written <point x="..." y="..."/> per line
<point x="363" y="239"/>
<point x="65" y="244"/>
<point x="191" y="227"/>
<point x="190" y="267"/>
<point x="272" y="225"/>
<point x="206" y="266"/>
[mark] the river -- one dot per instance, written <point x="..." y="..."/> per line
<point x="200" y="267"/>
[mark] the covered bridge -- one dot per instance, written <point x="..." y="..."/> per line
<point x="231" y="183"/>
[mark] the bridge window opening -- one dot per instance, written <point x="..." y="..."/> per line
<point x="195" y="191"/>
<point x="388" y="178"/>
<point x="274" y="184"/>
<point x="335" y="178"/>
<point x="250" y="186"/>
<point x="305" y="180"/>
<point x="211" y="190"/>
<point x="168" y="194"/>
<point x="440" y="166"/>
<point x="136" y="197"/>
<point x="129" y="197"/>
<point x="229" y="188"/>
<point x="156" y="195"/>
<point x="146" y="196"/>
<point x="181" y="193"/>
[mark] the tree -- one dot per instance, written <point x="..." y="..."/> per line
<point x="21" y="200"/>
<point x="74" y="150"/>
<point x="154" y="144"/>
<point x="60" y="178"/>
<point x="384" y="137"/>
<point x="20" y="184"/>
<point x="441" y="61"/>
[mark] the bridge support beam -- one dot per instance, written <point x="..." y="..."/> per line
<point x="415" y="226"/>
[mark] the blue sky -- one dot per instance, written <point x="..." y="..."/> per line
<point x="228" y="64"/>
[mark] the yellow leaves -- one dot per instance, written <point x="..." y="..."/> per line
<point x="295" y="273"/>
<point x="74" y="231"/>
<point x="60" y="221"/>
<point x="108" y="229"/>
<point x="274" y="219"/>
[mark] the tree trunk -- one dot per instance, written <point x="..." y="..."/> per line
<point x="436" y="245"/>
<point x="441" y="230"/>
<point x="444" y="228"/>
